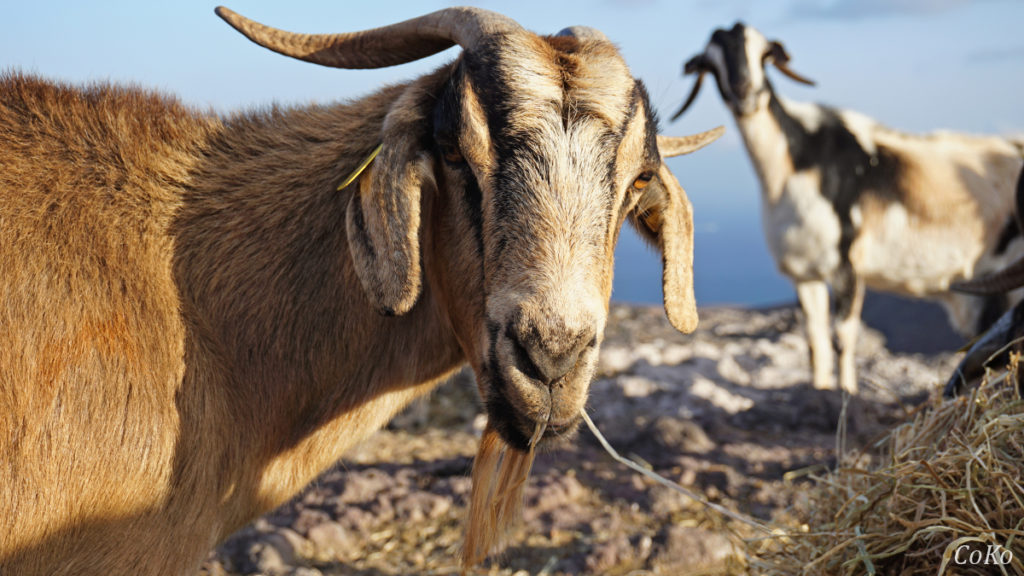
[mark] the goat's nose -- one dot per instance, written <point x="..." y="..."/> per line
<point x="550" y="350"/>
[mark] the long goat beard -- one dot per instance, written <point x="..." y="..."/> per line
<point x="500" y="474"/>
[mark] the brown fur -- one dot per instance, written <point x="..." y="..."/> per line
<point x="183" y="341"/>
<point x="188" y="337"/>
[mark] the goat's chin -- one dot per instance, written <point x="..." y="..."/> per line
<point x="517" y="427"/>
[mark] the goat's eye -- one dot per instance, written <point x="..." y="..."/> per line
<point x="643" y="180"/>
<point x="452" y="154"/>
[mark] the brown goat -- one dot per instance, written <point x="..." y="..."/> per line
<point x="195" y="322"/>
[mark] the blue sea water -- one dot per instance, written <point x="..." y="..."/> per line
<point x="732" y="265"/>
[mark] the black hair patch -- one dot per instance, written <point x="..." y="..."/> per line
<point x="993" y="306"/>
<point x="734" y="51"/>
<point x="847" y="170"/>
<point x="1009" y="232"/>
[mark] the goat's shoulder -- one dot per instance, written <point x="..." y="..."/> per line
<point x="92" y="177"/>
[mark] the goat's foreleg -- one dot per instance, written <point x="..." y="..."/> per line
<point x="814" y="301"/>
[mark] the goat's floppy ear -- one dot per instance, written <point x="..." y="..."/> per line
<point x="665" y="218"/>
<point x="669" y="146"/>
<point x="698" y="63"/>
<point x="777" y="52"/>
<point x="383" y="217"/>
<point x="777" y="55"/>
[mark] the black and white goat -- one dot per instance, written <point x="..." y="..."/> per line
<point x="850" y="203"/>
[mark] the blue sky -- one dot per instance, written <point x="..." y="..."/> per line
<point x="916" y="65"/>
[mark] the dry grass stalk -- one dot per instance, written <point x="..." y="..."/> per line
<point x="737" y="516"/>
<point x="500" y="473"/>
<point x="950" y="477"/>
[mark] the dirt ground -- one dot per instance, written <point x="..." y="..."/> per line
<point x="727" y="412"/>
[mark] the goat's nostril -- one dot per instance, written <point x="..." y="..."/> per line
<point x="525" y="362"/>
<point x="539" y="362"/>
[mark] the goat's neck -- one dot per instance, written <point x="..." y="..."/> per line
<point x="768" y="145"/>
<point x="311" y="368"/>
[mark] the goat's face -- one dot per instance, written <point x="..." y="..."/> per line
<point x="547" y="145"/>
<point x="521" y="159"/>
<point x="737" y="59"/>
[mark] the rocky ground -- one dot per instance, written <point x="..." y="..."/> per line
<point x="726" y="412"/>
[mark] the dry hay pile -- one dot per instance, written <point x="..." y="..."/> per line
<point x="949" y="479"/>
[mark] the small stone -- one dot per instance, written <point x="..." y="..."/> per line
<point x="271" y="554"/>
<point x="614" y="359"/>
<point x="331" y="541"/>
<point x="689" y="549"/>
<point x="308" y="518"/>
<point x="679" y="435"/>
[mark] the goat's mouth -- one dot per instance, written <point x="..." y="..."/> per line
<point x="990" y="350"/>
<point x="529" y="412"/>
<point x="520" y="429"/>
<point x="533" y="406"/>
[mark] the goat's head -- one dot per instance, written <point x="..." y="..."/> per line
<point x="525" y="156"/>
<point x="737" y="58"/>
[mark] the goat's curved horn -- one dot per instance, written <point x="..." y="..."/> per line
<point x="690" y="98"/>
<point x="378" y="47"/>
<point x="696" y="65"/>
<point x="1007" y="279"/>
<point x="669" y="146"/>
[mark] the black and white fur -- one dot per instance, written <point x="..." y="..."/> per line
<point x="849" y="203"/>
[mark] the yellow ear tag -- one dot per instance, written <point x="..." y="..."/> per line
<point x="362" y="166"/>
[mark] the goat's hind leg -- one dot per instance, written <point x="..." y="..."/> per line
<point x="813" y="297"/>
<point x="849" y="298"/>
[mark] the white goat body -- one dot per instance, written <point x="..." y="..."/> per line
<point x="848" y="203"/>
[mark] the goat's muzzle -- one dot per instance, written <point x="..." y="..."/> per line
<point x="548" y="354"/>
<point x="540" y="370"/>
